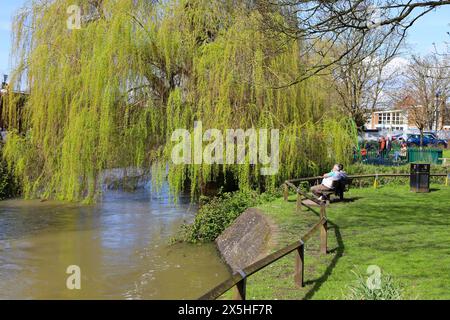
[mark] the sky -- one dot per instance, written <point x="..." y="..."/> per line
<point x="432" y="28"/>
<point x="7" y="10"/>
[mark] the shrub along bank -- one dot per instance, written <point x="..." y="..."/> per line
<point x="9" y="187"/>
<point x="220" y="212"/>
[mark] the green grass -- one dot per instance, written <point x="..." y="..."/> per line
<point x="405" y="234"/>
<point x="447" y="153"/>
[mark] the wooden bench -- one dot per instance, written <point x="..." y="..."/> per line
<point x="339" y="188"/>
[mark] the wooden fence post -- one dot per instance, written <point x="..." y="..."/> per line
<point x="286" y="192"/>
<point x="323" y="231"/>
<point x="300" y="266"/>
<point x="240" y="290"/>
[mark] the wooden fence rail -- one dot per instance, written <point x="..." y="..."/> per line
<point x="239" y="279"/>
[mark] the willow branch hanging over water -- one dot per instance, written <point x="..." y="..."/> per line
<point x="110" y="94"/>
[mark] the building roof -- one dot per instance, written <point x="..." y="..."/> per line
<point x="406" y="103"/>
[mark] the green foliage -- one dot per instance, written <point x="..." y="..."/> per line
<point x="359" y="168"/>
<point x="363" y="169"/>
<point x="111" y="94"/>
<point x="388" y="289"/>
<point x="217" y="215"/>
<point x="8" y="184"/>
<point x="446" y="153"/>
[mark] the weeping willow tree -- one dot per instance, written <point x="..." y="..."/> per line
<point x="110" y="94"/>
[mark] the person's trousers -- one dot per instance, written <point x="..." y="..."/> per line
<point x="318" y="190"/>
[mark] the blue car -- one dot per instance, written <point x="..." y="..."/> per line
<point x="429" y="140"/>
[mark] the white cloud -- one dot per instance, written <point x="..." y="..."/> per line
<point x="397" y="64"/>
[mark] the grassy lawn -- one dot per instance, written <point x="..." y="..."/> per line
<point x="405" y="234"/>
<point x="447" y="153"/>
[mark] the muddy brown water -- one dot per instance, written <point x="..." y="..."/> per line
<point x="121" y="246"/>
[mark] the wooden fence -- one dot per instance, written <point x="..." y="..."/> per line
<point x="239" y="280"/>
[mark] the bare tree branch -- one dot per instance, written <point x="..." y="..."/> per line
<point x="321" y="24"/>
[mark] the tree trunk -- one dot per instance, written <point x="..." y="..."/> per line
<point x="421" y="138"/>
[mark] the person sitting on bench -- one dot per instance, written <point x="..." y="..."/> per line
<point x="328" y="180"/>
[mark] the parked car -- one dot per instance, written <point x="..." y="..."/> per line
<point x="399" y="137"/>
<point x="429" y="140"/>
<point x="369" y="136"/>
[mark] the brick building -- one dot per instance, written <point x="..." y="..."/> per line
<point x="400" y="118"/>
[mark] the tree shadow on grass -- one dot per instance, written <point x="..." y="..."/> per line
<point x="346" y="200"/>
<point x="339" y="252"/>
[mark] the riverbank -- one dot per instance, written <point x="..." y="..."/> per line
<point x="401" y="232"/>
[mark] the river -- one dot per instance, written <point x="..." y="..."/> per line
<point x="121" y="246"/>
